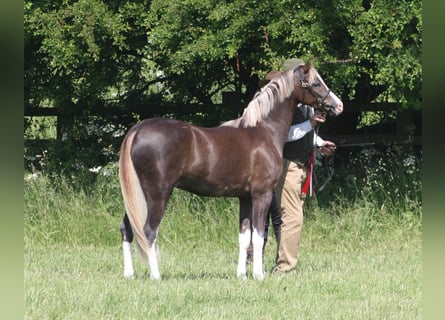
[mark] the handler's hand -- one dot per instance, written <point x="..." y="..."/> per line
<point x="328" y="148"/>
<point x="317" y="118"/>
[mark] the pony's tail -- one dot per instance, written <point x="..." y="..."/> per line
<point x="134" y="198"/>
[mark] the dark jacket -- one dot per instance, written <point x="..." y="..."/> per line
<point x="299" y="151"/>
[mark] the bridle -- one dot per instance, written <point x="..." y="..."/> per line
<point x="306" y="86"/>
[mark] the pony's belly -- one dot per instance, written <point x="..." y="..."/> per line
<point x="209" y="189"/>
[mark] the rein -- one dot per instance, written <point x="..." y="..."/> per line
<point x="328" y="162"/>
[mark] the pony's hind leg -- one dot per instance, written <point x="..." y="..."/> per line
<point x="156" y="211"/>
<point x="258" y="242"/>
<point x="153" y="262"/>
<point x="260" y="207"/>
<point x="127" y="238"/>
<point x="152" y="256"/>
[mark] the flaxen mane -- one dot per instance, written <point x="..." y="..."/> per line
<point x="264" y="101"/>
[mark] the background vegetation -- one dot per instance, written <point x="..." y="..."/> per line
<point x="84" y="52"/>
<point x="108" y="64"/>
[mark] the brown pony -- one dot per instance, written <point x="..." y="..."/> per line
<point x="240" y="158"/>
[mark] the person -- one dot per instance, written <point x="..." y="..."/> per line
<point x="292" y="189"/>
<point x="301" y="126"/>
<point x="286" y="208"/>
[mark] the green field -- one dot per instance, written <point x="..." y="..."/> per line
<point x="357" y="261"/>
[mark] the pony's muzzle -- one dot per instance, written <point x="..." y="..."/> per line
<point x="334" y="109"/>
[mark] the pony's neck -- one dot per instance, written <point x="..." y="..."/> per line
<point x="280" y="120"/>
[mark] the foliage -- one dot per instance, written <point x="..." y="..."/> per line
<point x="71" y="51"/>
<point x="388" y="38"/>
<point x="106" y="63"/>
<point x="386" y="180"/>
<point x="88" y="51"/>
<point x="40" y="128"/>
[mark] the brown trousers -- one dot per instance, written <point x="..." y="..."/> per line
<point x="291" y="203"/>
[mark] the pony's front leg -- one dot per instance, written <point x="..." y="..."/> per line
<point x="128" y="260"/>
<point x="260" y="207"/>
<point x="258" y="242"/>
<point x="244" y="241"/>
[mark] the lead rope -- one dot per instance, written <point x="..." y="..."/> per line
<point x="329" y="167"/>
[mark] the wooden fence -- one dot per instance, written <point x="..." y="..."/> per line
<point x="405" y="129"/>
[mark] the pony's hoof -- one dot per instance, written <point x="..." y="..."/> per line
<point x="129" y="275"/>
<point x="155" y="277"/>
<point x="242" y="276"/>
<point x="259" y="276"/>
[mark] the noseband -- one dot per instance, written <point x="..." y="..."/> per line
<point x="305" y="85"/>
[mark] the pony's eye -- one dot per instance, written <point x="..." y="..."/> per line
<point x="316" y="84"/>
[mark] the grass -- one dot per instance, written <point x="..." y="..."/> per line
<point x="356" y="261"/>
<point x="86" y="283"/>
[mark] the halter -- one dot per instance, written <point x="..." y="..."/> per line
<point x="305" y="85"/>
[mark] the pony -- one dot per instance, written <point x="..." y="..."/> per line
<point x="240" y="158"/>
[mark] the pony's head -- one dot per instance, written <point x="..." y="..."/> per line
<point x="313" y="90"/>
<point x="300" y="82"/>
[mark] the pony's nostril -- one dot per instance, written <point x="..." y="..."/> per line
<point x="340" y="107"/>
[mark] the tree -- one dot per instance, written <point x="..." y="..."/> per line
<point x="154" y="58"/>
<point x="388" y="45"/>
<point x="81" y="53"/>
<point x="91" y="51"/>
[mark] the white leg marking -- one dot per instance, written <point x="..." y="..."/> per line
<point x="153" y="262"/>
<point x="258" y="242"/>
<point x="244" y="241"/>
<point x="128" y="261"/>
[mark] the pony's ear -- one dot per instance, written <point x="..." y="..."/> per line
<point x="308" y="65"/>
<point x="263" y="82"/>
